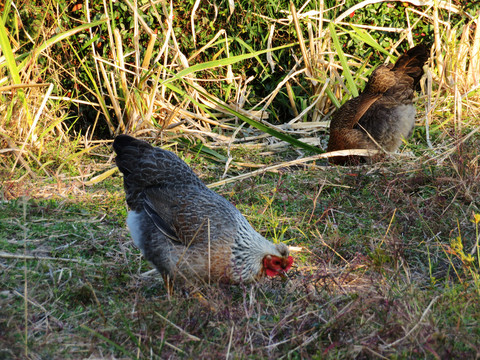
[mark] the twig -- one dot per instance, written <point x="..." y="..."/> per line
<point x="6" y="255"/>
<point x="315" y="200"/>
<point x="434" y="300"/>
<point x="230" y="342"/>
<point x="358" y="152"/>
<point x="33" y="302"/>
<point x="295" y="248"/>
<point x="174" y="347"/>
<point x="312" y="105"/>
<point x="441" y="4"/>
<point x="21" y="86"/>
<point x="192" y="337"/>
<point x="303" y="48"/>
<point x="139" y="18"/>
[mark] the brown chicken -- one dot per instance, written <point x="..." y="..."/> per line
<point x="189" y="232"/>
<point x="383" y="114"/>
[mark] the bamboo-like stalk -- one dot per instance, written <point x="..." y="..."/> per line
<point x="357" y="152"/>
<point x="474" y="64"/>
<point x="291" y="98"/>
<point x="301" y="41"/>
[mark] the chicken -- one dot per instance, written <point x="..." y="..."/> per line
<point x="189" y="232"/>
<point x="383" y="114"/>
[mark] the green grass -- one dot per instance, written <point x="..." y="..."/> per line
<point x="377" y="275"/>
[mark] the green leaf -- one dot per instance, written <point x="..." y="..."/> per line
<point x="223" y="62"/>
<point x="12" y="66"/>
<point x="343" y="60"/>
<point x="364" y="36"/>
<point x="55" y="39"/>
<point x="202" y="148"/>
<point x="243" y="43"/>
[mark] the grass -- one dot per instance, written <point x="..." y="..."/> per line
<point x="390" y="260"/>
<point x="378" y="276"/>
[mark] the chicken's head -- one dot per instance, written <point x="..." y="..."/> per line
<point x="277" y="265"/>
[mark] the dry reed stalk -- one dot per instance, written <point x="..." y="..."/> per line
<point x="192" y="21"/>
<point x="90" y="32"/>
<point x="303" y="48"/>
<point x="149" y="52"/>
<point x="474" y="55"/>
<point x="22" y="86"/>
<point x="436" y="33"/>
<point x="136" y="44"/>
<point x="369" y="27"/>
<point x="355" y="152"/>
<point x="312" y="105"/>
<point x="269" y="46"/>
<point x="191" y="115"/>
<point x="128" y="106"/>
<point x="428" y="108"/>
<point x="441" y="4"/>
<point x="291" y="98"/>
<point x="113" y="98"/>
<point x="31" y="133"/>
<point x="221" y="32"/>
<point x="268" y="99"/>
<point x="313" y="126"/>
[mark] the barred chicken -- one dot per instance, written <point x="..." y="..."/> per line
<point x="189" y="232"/>
<point x="383" y="114"/>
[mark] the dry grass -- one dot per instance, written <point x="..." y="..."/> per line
<point x="378" y="276"/>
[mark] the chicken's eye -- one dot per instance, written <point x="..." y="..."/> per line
<point x="276" y="262"/>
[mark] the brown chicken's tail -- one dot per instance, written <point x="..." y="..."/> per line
<point x="411" y="63"/>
